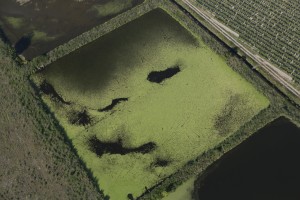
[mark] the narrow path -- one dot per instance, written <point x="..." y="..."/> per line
<point x="277" y="74"/>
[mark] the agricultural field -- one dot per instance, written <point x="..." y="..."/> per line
<point x="144" y="100"/>
<point x="268" y="27"/>
<point x="35" y="27"/>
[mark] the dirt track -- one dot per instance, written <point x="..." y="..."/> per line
<point x="277" y="74"/>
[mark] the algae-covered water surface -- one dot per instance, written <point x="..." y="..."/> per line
<point x="35" y="26"/>
<point x="143" y="100"/>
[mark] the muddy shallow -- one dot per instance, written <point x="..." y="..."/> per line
<point x="264" y="167"/>
<point x="53" y="22"/>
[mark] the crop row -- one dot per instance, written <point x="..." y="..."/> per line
<point x="270" y="27"/>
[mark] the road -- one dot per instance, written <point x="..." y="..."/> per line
<point x="276" y="73"/>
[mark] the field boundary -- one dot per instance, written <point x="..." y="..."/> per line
<point x="87" y="37"/>
<point x="45" y="134"/>
<point x="200" y="163"/>
<point x="256" y="66"/>
<point x="277" y="74"/>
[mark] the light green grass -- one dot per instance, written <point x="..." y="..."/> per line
<point x="112" y="7"/>
<point x="15" y="22"/>
<point x="179" y="115"/>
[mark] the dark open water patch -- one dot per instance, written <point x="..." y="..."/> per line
<point x="23" y="43"/>
<point x="98" y="147"/>
<point x="60" y="20"/>
<point x="48" y="89"/>
<point x="264" y="167"/>
<point x="160" y="76"/>
<point x="99" y="61"/>
<point x="113" y="104"/>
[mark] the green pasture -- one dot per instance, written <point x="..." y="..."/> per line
<point x="184" y="116"/>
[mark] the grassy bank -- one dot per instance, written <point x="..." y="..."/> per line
<point x="37" y="162"/>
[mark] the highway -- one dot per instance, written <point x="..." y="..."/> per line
<point x="283" y="78"/>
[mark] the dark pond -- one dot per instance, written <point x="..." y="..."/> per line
<point x="50" y="23"/>
<point x="160" y="76"/>
<point x="98" y="147"/>
<point x="113" y="104"/>
<point x="264" y="167"/>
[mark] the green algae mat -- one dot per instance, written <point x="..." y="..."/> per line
<point x="143" y="100"/>
<point x="35" y="27"/>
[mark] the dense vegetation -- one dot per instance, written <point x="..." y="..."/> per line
<point x="269" y="27"/>
<point x="36" y="160"/>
